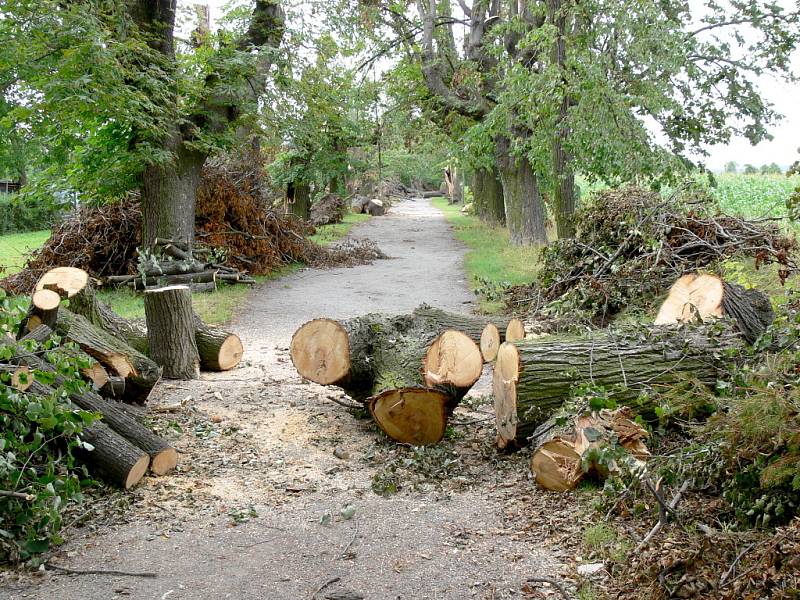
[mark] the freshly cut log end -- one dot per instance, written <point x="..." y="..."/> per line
<point x="320" y="351"/>
<point x="415" y="416"/>
<point x="692" y="297"/>
<point x="116" y="459"/>
<point x="515" y="330"/>
<point x="557" y="466"/>
<point x="490" y="342"/>
<point x="375" y="208"/>
<point x="504" y="386"/>
<point x="21" y="378"/>
<point x="66" y="281"/>
<point x="137" y="472"/>
<point x="219" y="350"/>
<point x="452" y="359"/>
<point x="164" y="461"/>
<point x="45" y="299"/>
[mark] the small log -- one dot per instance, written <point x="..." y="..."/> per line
<point x="415" y="416"/>
<point x="164" y="457"/>
<point x="473" y="326"/>
<point x="696" y="297"/>
<point x="532" y="378"/>
<point x="218" y="349"/>
<point x="452" y="359"/>
<point x="170" y="331"/>
<point x="358" y="204"/>
<point x="173" y="267"/>
<point x="375" y="208"/>
<point x="20" y="378"/>
<point x="140" y="372"/>
<point x="515" y="331"/>
<point x="42" y="311"/>
<point x="66" y="281"/>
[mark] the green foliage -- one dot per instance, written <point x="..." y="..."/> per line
<point x="19" y="214"/>
<point x="754" y="196"/>
<point x="38" y="439"/>
<point x="731" y="167"/>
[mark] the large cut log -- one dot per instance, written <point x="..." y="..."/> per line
<point x="112" y="457"/>
<point x="358" y="204"/>
<point x="374" y="353"/>
<point x="170" y="331"/>
<point x="696" y="297"/>
<point x="562" y="457"/>
<point x="164" y="457"/>
<point x="410" y="376"/>
<point x="375" y="208"/>
<point x="42" y="311"/>
<point x="219" y="350"/>
<point x="532" y="378"/>
<point x="141" y="373"/>
<point x="66" y="281"/>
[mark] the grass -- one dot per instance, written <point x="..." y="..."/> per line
<point x="754" y="196"/>
<point x="216" y="308"/>
<point x="491" y="262"/>
<point x="15" y="246"/>
<point x="327" y="234"/>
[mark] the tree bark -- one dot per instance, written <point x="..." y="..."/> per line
<point x="170" y="331"/>
<point x="164" y="457"/>
<point x="299" y="196"/>
<point x="487" y="193"/>
<point x="140" y="372"/>
<point x="525" y="212"/>
<point x="533" y="378"/>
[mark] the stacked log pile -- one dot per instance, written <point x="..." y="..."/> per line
<point x="124" y="361"/>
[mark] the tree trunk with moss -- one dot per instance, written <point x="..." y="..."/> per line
<point x="487" y="194"/>
<point x="525" y="212"/>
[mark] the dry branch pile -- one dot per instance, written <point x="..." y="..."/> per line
<point x="329" y="209"/>
<point x="233" y="223"/>
<point x="632" y="243"/>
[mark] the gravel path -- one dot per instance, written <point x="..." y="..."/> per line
<point x="275" y="497"/>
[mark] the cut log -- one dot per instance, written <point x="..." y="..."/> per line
<point x="164" y="457"/>
<point x="441" y="320"/>
<point x="20" y="378"/>
<point x="560" y="460"/>
<point x="140" y="372"/>
<point x="218" y="349"/>
<point x="358" y="204"/>
<point x="452" y="359"/>
<point x="42" y="311"/>
<point x="375" y="208"/>
<point x="66" y="281"/>
<point x="515" y="331"/>
<point x="116" y="459"/>
<point x="414" y="416"/>
<point x="170" y="331"/>
<point x="532" y="378"/>
<point x="490" y="342"/>
<point x="696" y="297"/>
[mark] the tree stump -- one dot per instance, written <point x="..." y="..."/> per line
<point x="170" y="331"/>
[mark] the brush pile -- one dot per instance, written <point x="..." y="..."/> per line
<point x="631" y="244"/>
<point x="233" y="224"/>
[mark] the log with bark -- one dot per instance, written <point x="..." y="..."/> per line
<point x="696" y="297"/>
<point x="141" y="373"/>
<point x="219" y="350"/>
<point x="164" y="458"/>
<point x="170" y="331"/>
<point x="375" y="208"/>
<point x="42" y="311"/>
<point x="562" y="457"/>
<point x="410" y="375"/>
<point x="358" y="204"/>
<point x="19" y="377"/>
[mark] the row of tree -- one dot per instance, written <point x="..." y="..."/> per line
<point x="748" y="169"/>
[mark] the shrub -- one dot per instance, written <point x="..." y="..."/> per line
<point x="19" y="213"/>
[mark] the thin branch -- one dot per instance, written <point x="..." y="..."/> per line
<point x="69" y="571"/>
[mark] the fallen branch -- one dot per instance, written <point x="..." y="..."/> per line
<point x="52" y="567"/>
<point x="660" y="525"/>
<point x="20" y="495"/>
<point x="552" y="582"/>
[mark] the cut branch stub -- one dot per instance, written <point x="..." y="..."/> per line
<point x="415" y="416"/>
<point x="452" y="359"/>
<point x="504" y="386"/>
<point x="66" y="281"/>
<point x="490" y="342"/>
<point x="320" y="351"/>
<point x="515" y="330"/>
<point x="557" y="466"/>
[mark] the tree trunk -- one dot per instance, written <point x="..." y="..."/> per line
<point x="487" y="194"/>
<point x="140" y="372"/>
<point x="169" y="192"/>
<point x="164" y="457"/>
<point x="299" y="196"/>
<point x="170" y="331"/>
<point x="563" y="173"/>
<point x="533" y="378"/>
<point x="525" y="212"/>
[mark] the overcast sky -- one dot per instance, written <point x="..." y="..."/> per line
<point x="785" y="97"/>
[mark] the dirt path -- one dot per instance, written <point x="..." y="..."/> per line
<point x="278" y="492"/>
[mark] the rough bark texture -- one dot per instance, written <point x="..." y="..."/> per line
<point x="438" y="320"/>
<point x="750" y="308"/>
<point x="626" y="365"/>
<point x="218" y="349"/>
<point x="525" y="214"/>
<point x="170" y="331"/>
<point x="113" y="413"/>
<point x="298" y="196"/>
<point x="140" y="372"/>
<point x="487" y="193"/>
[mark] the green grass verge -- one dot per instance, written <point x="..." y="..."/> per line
<point x="15" y="246"/>
<point x="491" y="261"/>
<point x="327" y="234"/>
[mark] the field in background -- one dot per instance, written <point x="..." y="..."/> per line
<point x="754" y="196"/>
<point x="15" y="246"/>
